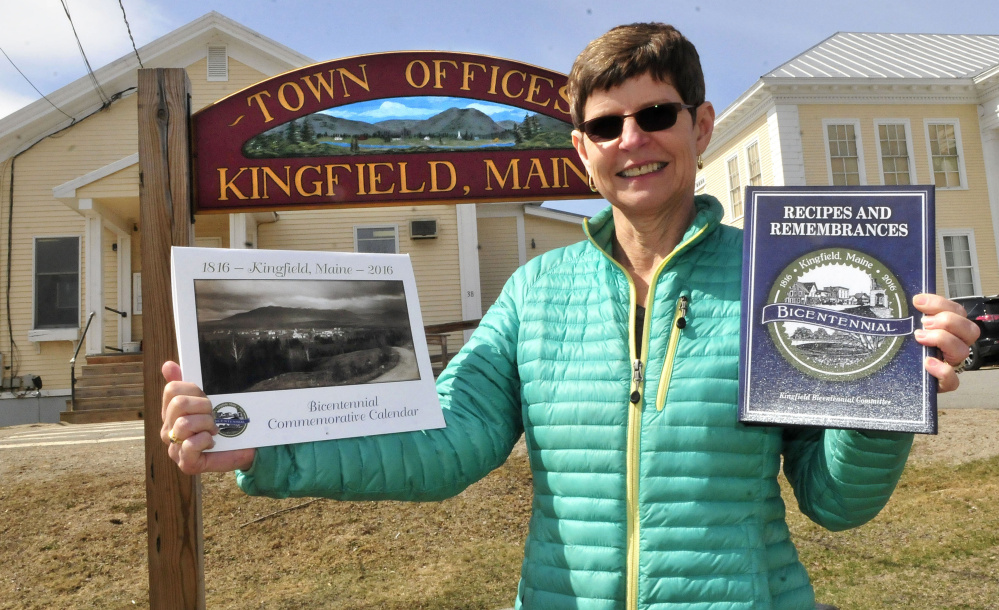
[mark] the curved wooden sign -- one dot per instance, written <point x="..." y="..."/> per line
<point x="389" y="129"/>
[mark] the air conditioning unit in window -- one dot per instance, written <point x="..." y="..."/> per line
<point x="423" y="229"/>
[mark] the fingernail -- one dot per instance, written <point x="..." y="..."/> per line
<point x="919" y="333"/>
<point x="927" y="321"/>
<point x="919" y="299"/>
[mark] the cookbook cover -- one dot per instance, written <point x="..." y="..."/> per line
<point x="828" y="279"/>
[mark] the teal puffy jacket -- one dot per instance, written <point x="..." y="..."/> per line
<point x="647" y="491"/>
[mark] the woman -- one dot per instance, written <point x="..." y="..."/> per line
<point x="647" y="491"/>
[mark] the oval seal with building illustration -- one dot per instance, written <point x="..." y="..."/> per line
<point x="230" y="418"/>
<point x="837" y="314"/>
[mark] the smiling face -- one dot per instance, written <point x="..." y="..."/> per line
<point x="645" y="173"/>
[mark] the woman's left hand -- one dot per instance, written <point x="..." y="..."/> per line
<point x="947" y="328"/>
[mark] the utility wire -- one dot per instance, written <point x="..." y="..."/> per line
<point x="33" y="85"/>
<point x="90" y="71"/>
<point x="129" y="28"/>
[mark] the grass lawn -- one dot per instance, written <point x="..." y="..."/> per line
<point x="936" y="544"/>
<point x="73" y="535"/>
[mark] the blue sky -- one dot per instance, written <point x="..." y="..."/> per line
<point x="738" y="40"/>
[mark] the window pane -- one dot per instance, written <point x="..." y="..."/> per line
<point x="844" y="161"/>
<point x="944" y="155"/>
<point x="958" y="265"/>
<point x="894" y="153"/>
<point x="57" y="282"/>
<point x="734" y="187"/>
<point x="753" y="162"/>
<point x="380" y="240"/>
<point x="56" y="299"/>
<point x="57" y="255"/>
<point x="958" y="250"/>
<point x="960" y="282"/>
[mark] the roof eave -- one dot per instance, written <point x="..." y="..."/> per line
<point x="22" y="128"/>
<point x="772" y="91"/>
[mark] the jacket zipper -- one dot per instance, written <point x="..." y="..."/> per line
<point x="634" y="442"/>
<point x="679" y="323"/>
<point x="635" y="411"/>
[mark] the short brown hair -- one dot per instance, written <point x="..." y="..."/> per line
<point x="627" y="51"/>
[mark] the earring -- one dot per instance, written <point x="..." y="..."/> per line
<point x="700" y="162"/>
<point x="593" y="185"/>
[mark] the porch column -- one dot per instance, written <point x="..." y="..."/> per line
<point x="242" y="231"/>
<point x="94" y="302"/>
<point x="786" y="151"/>
<point x="990" y="155"/>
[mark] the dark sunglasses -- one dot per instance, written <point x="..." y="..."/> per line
<point x="651" y="118"/>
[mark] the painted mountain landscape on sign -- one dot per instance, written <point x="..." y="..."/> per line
<point x="401" y="126"/>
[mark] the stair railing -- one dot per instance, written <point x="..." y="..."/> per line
<point x="72" y="363"/>
<point x="124" y="314"/>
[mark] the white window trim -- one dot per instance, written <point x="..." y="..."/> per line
<point x="728" y="186"/>
<point x="394" y="227"/>
<point x="970" y="234"/>
<point x="908" y="146"/>
<point x="960" y="153"/>
<point x="861" y="168"/>
<point x="66" y="333"/>
<point x="759" y="159"/>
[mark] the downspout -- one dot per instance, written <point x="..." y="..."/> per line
<point x="10" y="246"/>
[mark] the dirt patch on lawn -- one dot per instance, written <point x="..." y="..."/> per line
<point x="73" y="533"/>
<point x="964" y="435"/>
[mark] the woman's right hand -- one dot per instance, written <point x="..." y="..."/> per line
<point x="189" y="428"/>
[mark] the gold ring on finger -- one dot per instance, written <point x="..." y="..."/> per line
<point x="173" y="438"/>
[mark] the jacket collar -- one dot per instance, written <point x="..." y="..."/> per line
<point x="600" y="229"/>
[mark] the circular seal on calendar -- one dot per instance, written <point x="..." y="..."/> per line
<point x="837" y="314"/>
<point x="230" y="418"/>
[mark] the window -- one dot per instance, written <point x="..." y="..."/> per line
<point x="734" y="187"/>
<point x="57" y="282"/>
<point x="893" y="150"/>
<point x="383" y="240"/>
<point x="943" y="139"/>
<point x="960" y="262"/>
<point x="753" y="164"/>
<point x="845" y="162"/>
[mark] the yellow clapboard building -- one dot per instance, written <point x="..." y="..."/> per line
<point x="878" y="109"/>
<point x="69" y="195"/>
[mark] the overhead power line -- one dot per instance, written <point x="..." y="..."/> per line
<point x="90" y="71"/>
<point x="129" y="28"/>
<point x="33" y="85"/>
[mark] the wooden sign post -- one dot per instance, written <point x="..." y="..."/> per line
<point x="173" y="499"/>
